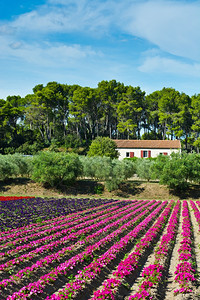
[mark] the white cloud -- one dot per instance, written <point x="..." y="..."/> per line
<point x="174" y="26"/>
<point x="158" y="64"/>
<point x="6" y="29"/>
<point x="67" y="16"/>
<point x="45" y="54"/>
<point x="170" y="27"/>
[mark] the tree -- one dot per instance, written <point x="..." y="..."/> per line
<point x="112" y="171"/>
<point x="86" y="112"/>
<point x="152" y="113"/>
<point x="182" y="120"/>
<point x="131" y="111"/>
<point x="176" y="171"/>
<point x="11" y="113"/>
<point x="143" y="168"/>
<point x="110" y="93"/>
<point x="103" y="146"/>
<point x="195" y="110"/>
<point x="54" y="169"/>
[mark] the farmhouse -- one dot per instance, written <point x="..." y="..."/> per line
<point x="146" y="148"/>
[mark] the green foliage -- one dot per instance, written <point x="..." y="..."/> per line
<point x="98" y="189"/>
<point x="157" y="167"/>
<point x="111" y="171"/>
<point x="24" y="163"/>
<point x="14" y="165"/>
<point x="74" y="115"/>
<point x="30" y="149"/>
<point x="7" y="168"/>
<point x="177" y="170"/>
<point x="103" y="146"/>
<point x="55" y="169"/>
<point x="143" y="168"/>
<point x="174" y="173"/>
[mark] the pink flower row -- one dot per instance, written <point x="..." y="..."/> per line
<point x="66" y="222"/>
<point x="196" y="212"/>
<point x="94" y="268"/>
<point x="67" y="238"/>
<point x="38" y="286"/>
<point x="59" y="234"/>
<point x="128" y="212"/>
<point x="47" y="229"/>
<point x="127" y="266"/>
<point x="154" y="272"/>
<point x="184" y="270"/>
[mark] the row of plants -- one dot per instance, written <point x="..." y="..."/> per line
<point x="111" y="236"/>
<point x="177" y="171"/>
<point x="97" y="251"/>
<point x="9" y="198"/>
<point x="62" y="236"/>
<point x="23" y="212"/>
<point x="55" y="256"/>
<point x="79" y="229"/>
<point x="39" y="286"/>
<point x="153" y="274"/>
<point x="185" y="272"/>
<point x="127" y="266"/>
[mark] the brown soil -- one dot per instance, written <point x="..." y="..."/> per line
<point x="132" y="189"/>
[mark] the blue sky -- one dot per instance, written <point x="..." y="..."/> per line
<point x="147" y="43"/>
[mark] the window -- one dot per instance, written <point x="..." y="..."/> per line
<point x="127" y="154"/>
<point x="131" y="154"/>
<point x="163" y="153"/>
<point x="145" y="154"/>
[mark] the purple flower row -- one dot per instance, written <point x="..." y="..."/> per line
<point x="70" y="236"/>
<point x="62" y="234"/>
<point x="35" y="227"/>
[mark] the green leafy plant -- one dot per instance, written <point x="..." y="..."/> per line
<point x="55" y="169"/>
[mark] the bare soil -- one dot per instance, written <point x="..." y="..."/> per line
<point x="132" y="189"/>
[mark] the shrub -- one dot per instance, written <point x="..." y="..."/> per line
<point x="7" y="167"/>
<point x="103" y="146"/>
<point x="174" y="173"/>
<point x="55" y="169"/>
<point x="24" y="163"/>
<point x="143" y="168"/>
<point x="111" y="171"/>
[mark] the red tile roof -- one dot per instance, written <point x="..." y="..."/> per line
<point x="148" y="144"/>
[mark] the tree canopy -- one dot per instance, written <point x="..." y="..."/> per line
<point x="57" y="113"/>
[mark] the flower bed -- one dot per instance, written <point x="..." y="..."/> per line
<point x="184" y="270"/>
<point x="93" y="249"/>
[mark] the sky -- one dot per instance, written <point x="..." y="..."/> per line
<point x="147" y="43"/>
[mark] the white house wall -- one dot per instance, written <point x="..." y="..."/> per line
<point x="137" y="152"/>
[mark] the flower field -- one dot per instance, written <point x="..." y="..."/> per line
<point x="99" y="249"/>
